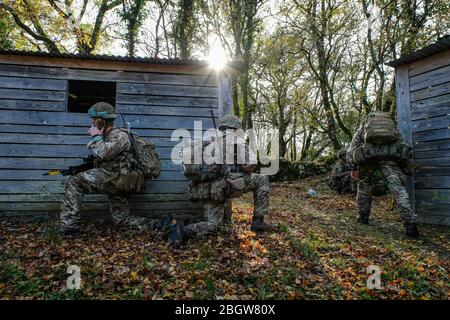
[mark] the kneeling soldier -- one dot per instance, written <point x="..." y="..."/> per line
<point x="216" y="183"/>
<point x="115" y="173"/>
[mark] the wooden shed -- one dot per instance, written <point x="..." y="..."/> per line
<point x="44" y="100"/>
<point x="423" y="106"/>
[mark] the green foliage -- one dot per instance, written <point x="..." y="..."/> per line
<point x="186" y="27"/>
<point x="295" y="170"/>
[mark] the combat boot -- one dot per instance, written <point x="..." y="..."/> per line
<point x="411" y="230"/>
<point x="176" y="234"/>
<point x="258" y="224"/>
<point x="69" y="233"/>
<point x="363" y="220"/>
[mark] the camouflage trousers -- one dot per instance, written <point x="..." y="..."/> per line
<point x="97" y="181"/>
<point x="396" y="183"/>
<point x="214" y="210"/>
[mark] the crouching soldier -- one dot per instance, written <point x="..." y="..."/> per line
<point x="378" y="144"/>
<point x="115" y="172"/>
<point x="215" y="183"/>
<point x="341" y="180"/>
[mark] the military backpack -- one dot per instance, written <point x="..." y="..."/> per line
<point x="380" y="129"/>
<point x="147" y="158"/>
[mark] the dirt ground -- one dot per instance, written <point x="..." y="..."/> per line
<point x="321" y="252"/>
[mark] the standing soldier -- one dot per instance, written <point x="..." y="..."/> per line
<point x="115" y="172"/>
<point x="216" y="183"/>
<point x="378" y="144"/>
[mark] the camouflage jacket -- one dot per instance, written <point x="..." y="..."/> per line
<point x="242" y="161"/>
<point x="113" y="152"/>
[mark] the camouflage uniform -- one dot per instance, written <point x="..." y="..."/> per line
<point x="340" y="180"/>
<point x="113" y="174"/>
<point x="393" y="174"/>
<point x="250" y="182"/>
<point x="213" y="211"/>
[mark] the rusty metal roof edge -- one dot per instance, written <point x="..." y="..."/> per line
<point x="104" y="57"/>
<point x="439" y="46"/>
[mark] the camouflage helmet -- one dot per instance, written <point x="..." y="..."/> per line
<point x="341" y="153"/>
<point x="230" y="121"/>
<point x="103" y="110"/>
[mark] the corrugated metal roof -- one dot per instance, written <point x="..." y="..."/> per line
<point x="105" y="57"/>
<point x="441" y="45"/>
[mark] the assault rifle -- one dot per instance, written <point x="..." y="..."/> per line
<point x="88" y="163"/>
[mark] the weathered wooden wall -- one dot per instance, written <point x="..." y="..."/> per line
<point x="37" y="134"/>
<point x="424" y="110"/>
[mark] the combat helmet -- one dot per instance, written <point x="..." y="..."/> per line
<point x="103" y="110"/>
<point x="230" y="121"/>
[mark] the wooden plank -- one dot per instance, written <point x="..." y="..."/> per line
<point x="203" y="69"/>
<point x="80" y="119"/>
<point x="61" y="151"/>
<point x="67" y="130"/>
<point x="60" y="163"/>
<point x="425" y="217"/>
<point x="431" y="102"/>
<point x="57" y="197"/>
<point x="37" y="175"/>
<point x="432" y="135"/>
<point x="404" y="117"/>
<point x="32" y="83"/>
<point x="11" y="104"/>
<point x="441" y="182"/>
<point x="166" y="90"/>
<point x="166" y="101"/>
<point x="435" y="61"/>
<point x="101" y="75"/>
<point x="431" y="123"/>
<point x="432" y="171"/>
<point x="425" y="209"/>
<point x="434" y="162"/>
<point x="432" y="145"/>
<point x="199" y="112"/>
<point x="188" y="215"/>
<point x="431" y="154"/>
<point x="96" y="206"/>
<point x="225" y="94"/>
<point x="438" y="196"/>
<point x="431" y="111"/>
<point x="429" y="79"/>
<point x="46" y="95"/>
<point x="22" y="187"/>
<point x="430" y="92"/>
<point x="27" y="138"/>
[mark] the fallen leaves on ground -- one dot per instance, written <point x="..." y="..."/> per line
<point x="319" y="253"/>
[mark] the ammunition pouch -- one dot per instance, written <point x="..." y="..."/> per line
<point x="367" y="153"/>
<point x="212" y="190"/>
<point x="132" y="182"/>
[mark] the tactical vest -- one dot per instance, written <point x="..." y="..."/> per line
<point x="368" y="154"/>
<point x="380" y="129"/>
<point x="123" y="163"/>
<point x="201" y="172"/>
<point x="125" y="177"/>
